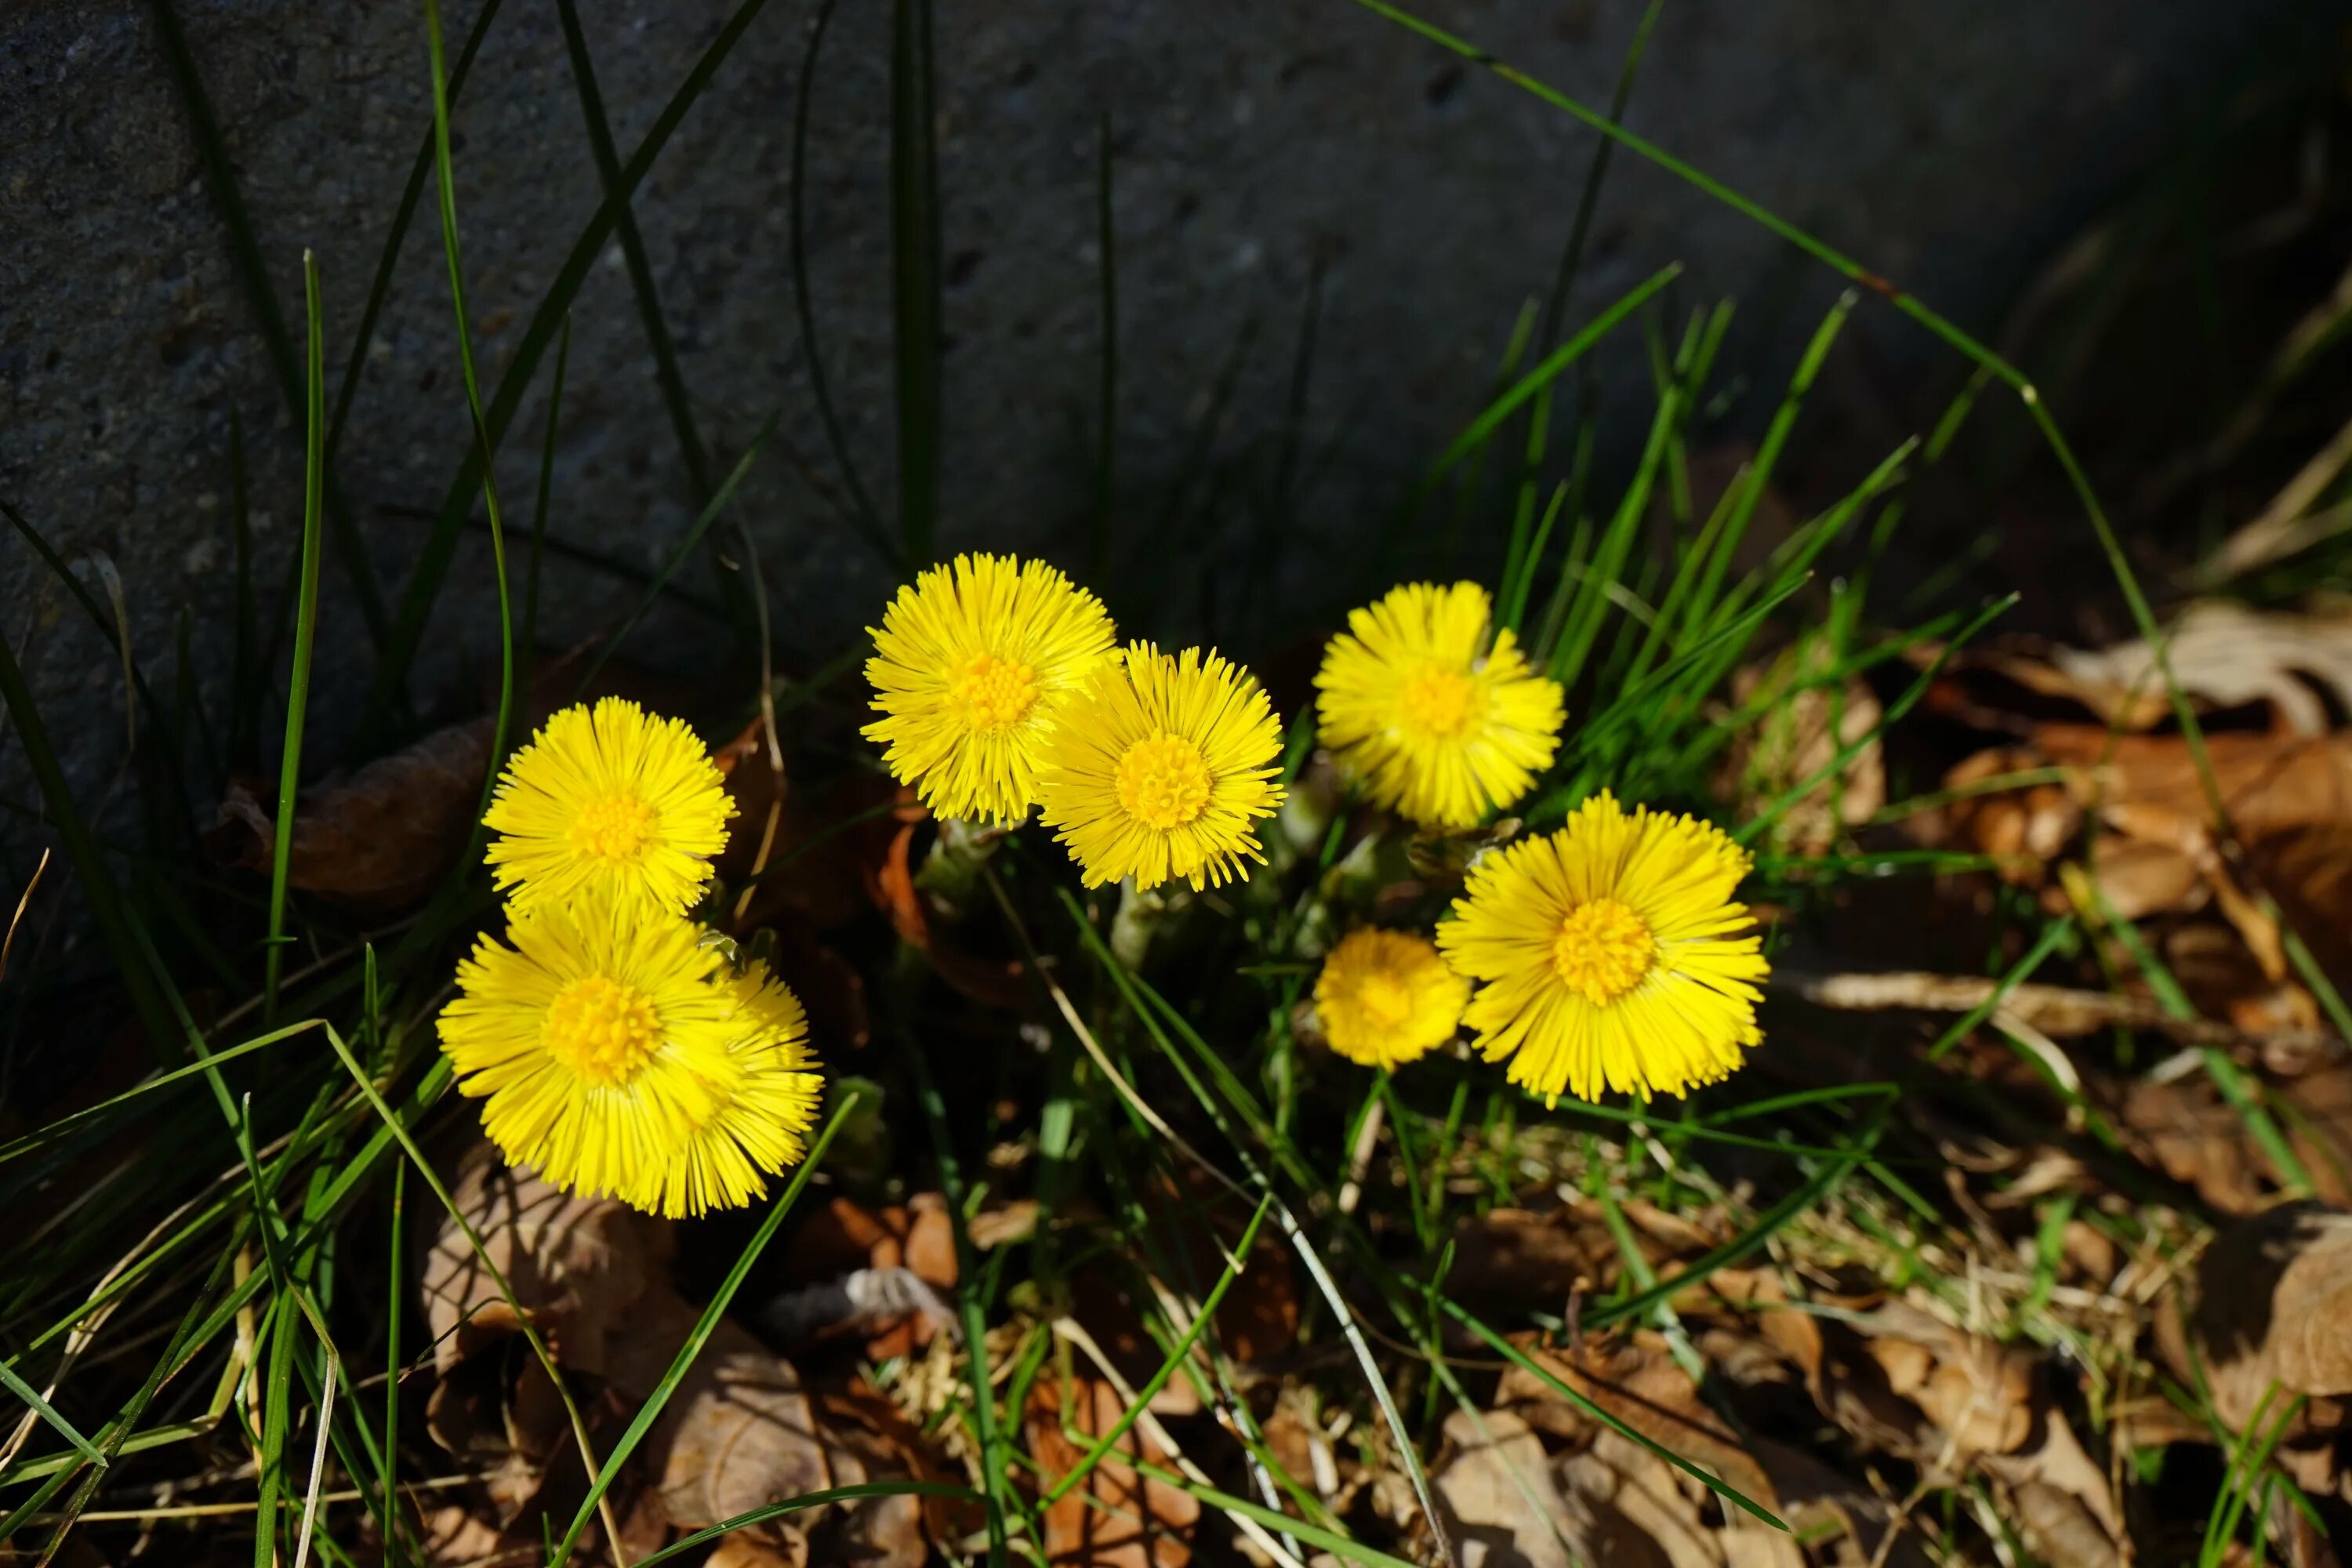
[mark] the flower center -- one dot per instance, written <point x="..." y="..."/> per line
<point x="1163" y="781"/>
<point x="1602" y="950"/>
<point x="1384" y="1000"/>
<point x="601" y="1031"/>
<point x="619" y="827"/>
<point x="989" y="692"/>
<point x="1439" y="703"/>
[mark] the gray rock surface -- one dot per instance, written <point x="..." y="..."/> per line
<point x="1945" y="142"/>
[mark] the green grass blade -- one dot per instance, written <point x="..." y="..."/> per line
<point x="400" y="648"/>
<point x="445" y="181"/>
<point x="915" y="276"/>
<point x="47" y="1413"/>
<point x="683" y="1363"/>
<point x="306" y="639"/>
<point x="1588" y="200"/>
<point x="244" y="251"/>
<point x="388" y="259"/>
<point x="711" y="511"/>
<point x="1159" y="1380"/>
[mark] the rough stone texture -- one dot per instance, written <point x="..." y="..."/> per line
<point x="1945" y="143"/>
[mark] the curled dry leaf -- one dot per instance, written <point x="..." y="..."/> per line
<point x="1116" y="1517"/>
<point x="380" y="837"/>
<point x="915" y="916"/>
<point x="2227" y="655"/>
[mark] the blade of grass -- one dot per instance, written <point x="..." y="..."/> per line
<point x="529" y="643"/>
<point x="245" y="252"/>
<point x="915" y="276"/>
<point x="400" y="648"/>
<point x="1107" y="402"/>
<point x="678" y="555"/>
<point x="446" y="182"/>
<point x="1588" y="200"/>
<point x="305" y="635"/>
<point x="995" y="1447"/>
<point x="688" y="1353"/>
<point x="388" y="258"/>
<point x="47" y="1413"/>
<point x="2143" y="614"/>
<point x="863" y="512"/>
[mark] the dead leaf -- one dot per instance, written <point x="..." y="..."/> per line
<point x="1115" y="1518"/>
<point x="739" y="1431"/>
<point x="2272" y="1305"/>
<point x="992" y="983"/>
<point x="1803" y="727"/>
<point x="1496" y="1490"/>
<point x="380" y="837"/>
<point x="2227" y="655"/>
<point x="916" y="1235"/>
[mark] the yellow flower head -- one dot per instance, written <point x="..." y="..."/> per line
<point x="1161" y="768"/>
<point x="610" y="803"/>
<point x="1385" y="997"/>
<point x="972" y="668"/>
<point x="761" y="1128"/>
<point x="600" y="1042"/>
<point x="1611" y="954"/>
<point x="1435" y="724"/>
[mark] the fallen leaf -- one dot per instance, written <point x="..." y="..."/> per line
<point x="1803" y="727"/>
<point x="992" y="983"/>
<point x="1495" y="1491"/>
<point x="2273" y="1306"/>
<point x="2227" y="655"/>
<point x="846" y="1235"/>
<point x="1115" y="1518"/>
<point x="380" y="837"/>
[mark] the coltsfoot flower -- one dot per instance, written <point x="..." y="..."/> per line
<point x="1387" y="997"/>
<point x="617" y="1054"/>
<point x="1432" y="721"/>
<point x="972" y="665"/>
<point x="609" y="804"/>
<point x="1610" y="955"/>
<point x="1161" y="769"/>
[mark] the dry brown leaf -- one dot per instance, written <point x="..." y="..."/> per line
<point x="916" y="1235"/>
<point x="992" y="983"/>
<point x="380" y="837"/>
<point x="2226" y="654"/>
<point x="1496" y="1490"/>
<point x="1802" y="730"/>
<point x="738" y="1432"/>
<point x="2274" y="1305"/>
<point x="1518" y="1258"/>
<point x="1115" y="1518"/>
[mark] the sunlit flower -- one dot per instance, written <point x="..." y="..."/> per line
<point x="610" y="804"/>
<point x="761" y="1127"/>
<point x="1611" y="954"/>
<point x="972" y="666"/>
<point x="599" y="1042"/>
<point x="1386" y="997"/>
<point x="1160" y="771"/>
<point x="1431" y="719"/>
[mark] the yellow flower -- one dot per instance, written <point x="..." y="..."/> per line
<point x="1611" y="954"/>
<point x="1435" y="724"/>
<point x="1385" y="997"/>
<point x="761" y="1127"/>
<point x="600" y="1042"/>
<point x="611" y="804"/>
<point x="1160" y="770"/>
<point x="972" y="666"/>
